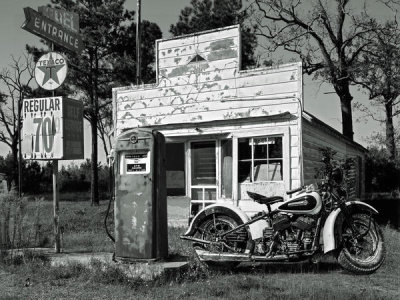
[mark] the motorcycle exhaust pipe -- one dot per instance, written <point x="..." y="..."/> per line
<point x="193" y="239"/>
<point x="221" y="257"/>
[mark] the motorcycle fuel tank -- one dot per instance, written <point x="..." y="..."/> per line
<point x="304" y="203"/>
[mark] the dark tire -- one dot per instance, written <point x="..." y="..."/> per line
<point x="366" y="254"/>
<point x="209" y="230"/>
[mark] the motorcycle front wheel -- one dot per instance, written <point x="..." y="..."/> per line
<point x="211" y="229"/>
<point x="363" y="251"/>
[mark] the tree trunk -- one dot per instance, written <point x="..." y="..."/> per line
<point x="347" y="116"/>
<point x="103" y="136"/>
<point x="14" y="150"/>
<point x="94" y="191"/>
<point x="390" y="140"/>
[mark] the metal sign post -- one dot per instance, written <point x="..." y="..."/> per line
<point x="56" y="208"/>
<point x="56" y="195"/>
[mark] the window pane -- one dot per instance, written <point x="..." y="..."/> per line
<point x="260" y="151"/>
<point x="275" y="170"/>
<point x="261" y="170"/>
<point x="244" y="149"/>
<point x="275" y="147"/>
<point x="203" y="163"/>
<point x="244" y="171"/>
<point x="210" y="194"/>
<point x="197" y="194"/>
<point x="226" y="176"/>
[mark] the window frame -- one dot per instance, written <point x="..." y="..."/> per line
<point x="286" y="150"/>
<point x="252" y="158"/>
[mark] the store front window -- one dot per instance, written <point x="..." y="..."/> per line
<point x="260" y="159"/>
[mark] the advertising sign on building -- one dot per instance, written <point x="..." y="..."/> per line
<point x="51" y="70"/>
<point x="48" y="29"/>
<point x="52" y="128"/>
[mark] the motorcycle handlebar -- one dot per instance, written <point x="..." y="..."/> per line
<point x="294" y="191"/>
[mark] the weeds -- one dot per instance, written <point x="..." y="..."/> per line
<point x="84" y="230"/>
<point x="18" y="226"/>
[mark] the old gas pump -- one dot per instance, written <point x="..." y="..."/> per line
<point x="140" y="208"/>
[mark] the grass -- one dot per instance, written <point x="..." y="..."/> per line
<point x="33" y="278"/>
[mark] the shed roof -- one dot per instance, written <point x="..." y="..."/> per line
<point x="317" y="122"/>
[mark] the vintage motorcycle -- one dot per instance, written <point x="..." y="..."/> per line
<point x="313" y="222"/>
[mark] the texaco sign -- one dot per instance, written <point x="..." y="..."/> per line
<point x="51" y="71"/>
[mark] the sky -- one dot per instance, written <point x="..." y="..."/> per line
<point x="319" y="99"/>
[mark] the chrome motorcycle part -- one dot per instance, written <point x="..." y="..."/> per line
<point x="280" y="222"/>
<point x="303" y="223"/>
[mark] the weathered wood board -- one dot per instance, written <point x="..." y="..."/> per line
<point x="317" y="136"/>
<point x="199" y="80"/>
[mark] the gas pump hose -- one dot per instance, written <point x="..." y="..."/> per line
<point x="109" y="203"/>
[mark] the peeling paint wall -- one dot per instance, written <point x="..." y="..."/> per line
<point x="199" y="80"/>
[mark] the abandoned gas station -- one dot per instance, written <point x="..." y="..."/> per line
<point x="229" y="130"/>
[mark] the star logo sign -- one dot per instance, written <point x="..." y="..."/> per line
<point x="50" y="71"/>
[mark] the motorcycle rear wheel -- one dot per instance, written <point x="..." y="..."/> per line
<point x="365" y="254"/>
<point x="209" y="230"/>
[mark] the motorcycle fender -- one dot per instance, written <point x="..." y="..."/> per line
<point x="330" y="239"/>
<point x="234" y="212"/>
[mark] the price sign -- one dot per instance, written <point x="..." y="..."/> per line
<point x="52" y="128"/>
<point x="136" y="163"/>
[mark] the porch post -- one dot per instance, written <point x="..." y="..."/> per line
<point x="235" y="189"/>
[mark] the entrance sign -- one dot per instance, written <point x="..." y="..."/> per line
<point x="52" y="128"/>
<point x="50" y="30"/>
<point x="51" y="71"/>
<point x="65" y="18"/>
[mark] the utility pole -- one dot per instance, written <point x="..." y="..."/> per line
<point x="138" y="56"/>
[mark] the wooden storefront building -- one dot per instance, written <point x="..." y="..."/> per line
<point x="229" y="130"/>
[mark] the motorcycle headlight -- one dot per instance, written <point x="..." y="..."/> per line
<point x="310" y="188"/>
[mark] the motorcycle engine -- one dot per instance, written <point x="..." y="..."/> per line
<point x="294" y="234"/>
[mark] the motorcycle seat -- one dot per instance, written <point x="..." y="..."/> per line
<point x="264" y="200"/>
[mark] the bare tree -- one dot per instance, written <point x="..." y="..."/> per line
<point x="15" y="80"/>
<point x="105" y="125"/>
<point x="325" y="34"/>
<point x="379" y="72"/>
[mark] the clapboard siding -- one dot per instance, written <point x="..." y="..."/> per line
<point x="205" y="92"/>
<point x="209" y="90"/>
<point x="317" y="136"/>
<point x="206" y="106"/>
<point x="131" y="120"/>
